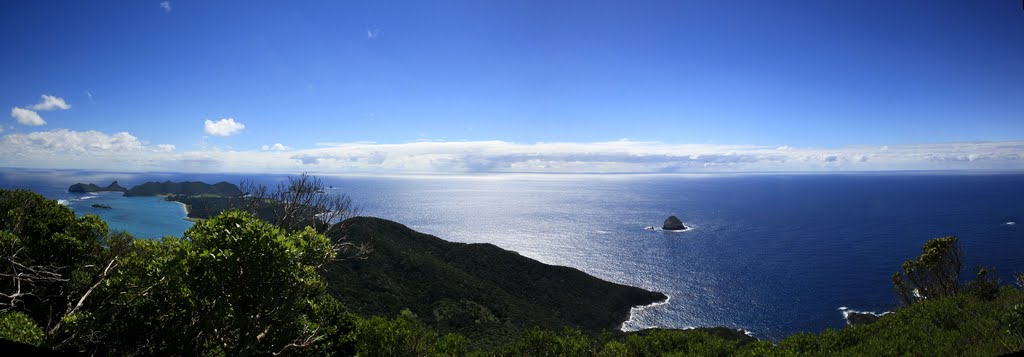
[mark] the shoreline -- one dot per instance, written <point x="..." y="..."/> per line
<point x="184" y="207"/>
<point x="636" y="309"/>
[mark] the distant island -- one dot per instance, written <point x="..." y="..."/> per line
<point x="187" y="188"/>
<point x="90" y="187"/>
<point x="100" y="205"/>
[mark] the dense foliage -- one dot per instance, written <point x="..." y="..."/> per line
<point x="49" y="258"/>
<point x="934" y="274"/>
<point x="236" y="285"/>
<point x="233" y="284"/>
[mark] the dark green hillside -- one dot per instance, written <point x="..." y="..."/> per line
<point x="478" y="290"/>
<point x="204" y="207"/>
<point x="187" y="188"/>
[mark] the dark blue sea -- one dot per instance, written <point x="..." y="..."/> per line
<point x="773" y="254"/>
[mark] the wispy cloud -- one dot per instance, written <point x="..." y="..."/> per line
<point x="51" y="103"/>
<point x="89" y="94"/>
<point x="223" y="127"/>
<point x="27" y="117"/>
<point x="166" y="6"/>
<point x="94" y="150"/>
<point x="372" y="33"/>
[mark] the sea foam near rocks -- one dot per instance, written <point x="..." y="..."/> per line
<point x="846" y="313"/>
<point x="633" y="311"/>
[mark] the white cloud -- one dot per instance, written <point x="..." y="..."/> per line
<point x="50" y="103"/>
<point x="27" y="117"/>
<point x="67" y="141"/>
<point x="372" y="34"/>
<point x="223" y="127"/>
<point x="123" y="151"/>
<point x="64" y="141"/>
<point x="31" y="117"/>
<point x="166" y="6"/>
<point x="62" y="148"/>
<point x="275" y="147"/>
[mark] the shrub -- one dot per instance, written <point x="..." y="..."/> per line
<point x="18" y="327"/>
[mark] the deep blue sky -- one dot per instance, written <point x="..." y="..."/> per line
<point x="818" y="74"/>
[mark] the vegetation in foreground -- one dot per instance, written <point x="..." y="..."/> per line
<point x="237" y="285"/>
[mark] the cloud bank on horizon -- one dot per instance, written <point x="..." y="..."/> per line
<point x="94" y="150"/>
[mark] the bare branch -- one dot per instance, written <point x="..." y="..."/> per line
<point x="301" y="202"/>
<point x="102" y="277"/>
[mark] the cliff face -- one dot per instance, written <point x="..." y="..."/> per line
<point x="88" y="187"/>
<point x="479" y="290"/>
<point x="187" y="188"/>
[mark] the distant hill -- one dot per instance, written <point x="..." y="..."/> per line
<point x="89" y="187"/>
<point x="204" y="207"/>
<point x="187" y="188"/>
<point x="479" y="290"/>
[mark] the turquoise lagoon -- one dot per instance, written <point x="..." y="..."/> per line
<point x="149" y="217"/>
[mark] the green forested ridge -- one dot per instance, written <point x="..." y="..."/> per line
<point x="204" y="207"/>
<point x="187" y="188"/>
<point x="478" y="290"/>
<point x="236" y="285"/>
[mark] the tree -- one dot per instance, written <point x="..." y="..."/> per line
<point x="405" y="335"/>
<point x="233" y="285"/>
<point x="304" y="202"/>
<point x="985" y="284"/>
<point x="50" y="260"/>
<point x="934" y="274"/>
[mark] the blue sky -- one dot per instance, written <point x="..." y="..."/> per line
<point x="617" y="86"/>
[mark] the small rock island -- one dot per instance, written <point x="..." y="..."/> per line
<point x="90" y="187"/>
<point x="100" y="205"/>
<point x="673" y="223"/>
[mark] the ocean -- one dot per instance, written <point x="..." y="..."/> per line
<point x="773" y="254"/>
